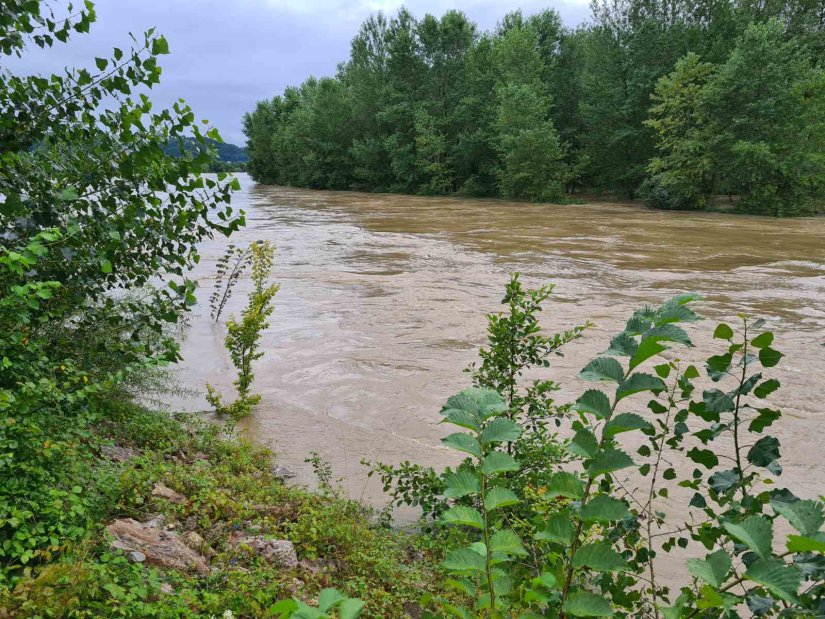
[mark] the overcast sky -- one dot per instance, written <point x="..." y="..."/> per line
<point x="228" y="54"/>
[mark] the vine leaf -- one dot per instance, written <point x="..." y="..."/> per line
<point x="713" y="570"/>
<point x="781" y="580"/>
<point x="755" y="532"/>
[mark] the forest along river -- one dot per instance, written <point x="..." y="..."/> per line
<point x="383" y="297"/>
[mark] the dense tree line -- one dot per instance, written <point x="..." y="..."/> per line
<point x="678" y="101"/>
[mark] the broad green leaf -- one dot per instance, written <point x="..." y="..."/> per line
<point x="599" y="556"/>
<point x="557" y="529"/>
<point x="800" y="543"/>
<point x="604" y="508"/>
<point x="764" y="451"/>
<point x="595" y="402"/>
<point x="766" y="388"/>
<point x="328" y="598"/>
<point x="607" y="461"/>
<point x="667" y="333"/>
<point x="500" y="430"/>
<point x="603" y="368"/>
<point x="586" y="604"/>
<point x="763" y="341"/>
<point x="713" y="570"/>
<point x="764" y="419"/>
<point x="584" y="444"/>
<point x="756" y="532"/>
<point x="639" y="382"/>
<point x="626" y="422"/>
<point x="769" y="357"/>
<point x="717" y="401"/>
<point x="350" y="608"/>
<point x="806" y="516"/>
<point x="499" y="462"/>
<point x="647" y="348"/>
<point x="704" y="457"/>
<point x="781" y="580"/>
<point x="160" y="46"/>
<point x="105" y="266"/>
<point x="462" y="515"/>
<point x="506" y="542"/>
<point x="499" y="497"/>
<point x="723" y="481"/>
<point x="461" y="483"/>
<point x="464" y="560"/>
<point x="480" y="402"/>
<point x="623" y="345"/>
<point x="463" y="442"/>
<point x="723" y="332"/>
<point x="463" y="419"/>
<point x="564" y="483"/>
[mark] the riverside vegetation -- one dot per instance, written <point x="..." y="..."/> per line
<point x="532" y="523"/>
<point x="689" y="104"/>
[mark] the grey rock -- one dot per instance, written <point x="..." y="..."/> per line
<point x="278" y="552"/>
<point x="157" y="546"/>
<point x="159" y="490"/>
<point x="118" y="454"/>
<point x="136" y="556"/>
<point x="281" y="472"/>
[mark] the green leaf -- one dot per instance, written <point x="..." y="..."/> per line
<point x="499" y="462"/>
<point x="766" y="388"/>
<point x="769" y="357"/>
<point x="328" y="598"/>
<point x="507" y="542"/>
<point x="764" y="419"/>
<point x="603" y="368"/>
<point x="604" y="508"/>
<point x="584" y="444"/>
<point x="160" y="46"/>
<point x="647" y="349"/>
<point x="756" y="532"/>
<point x="607" y="461"/>
<point x="461" y="483"/>
<point x="500" y="430"/>
<point x="101" y="63"/>
<point x="464" y="560"/>
<point x="463" y="419"/>
<point x="465" y="516"/>
<point x="781" y="580"/>
<point x="667" y="333"/>
<point x="482" y="403"/>
<point x="639" y="382"/>
<point x="566" y="484"/>
<point x="806" y="516"/>
<point x="800" y="543"/>
<point x="499" y="497"/>
<point x="463" y="442"/>
<point x="717" y="401"/>
<point x="350" y="608"/>
<point x="595" y="402"/>
<point x="626" y="422"/>
<point x="704" y="457"/>
<point x="623" y="345"/>
<point x="586" y="604"/>
<point x="599" y="556"/>
<point x="763" y="341"/>
<point x="557" y="529"/>
<point x="764" y="451"/>
<point x="105" y="266"/>
<point x="713" y="570"/>
<point x="723" y="332"/>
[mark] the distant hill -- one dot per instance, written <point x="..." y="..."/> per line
<point x="229" y="153"/>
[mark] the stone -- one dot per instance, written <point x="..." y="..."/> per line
<point x="166" y="589"/>
<point x="278" y="552"/>
<point x="159" y="490"/>
<point x="118" y="454"/>
<point x="281" y="472"/>
<point x="136" y="557"/>
<point x="198" y="544"/>
<point x="159" y="547"/>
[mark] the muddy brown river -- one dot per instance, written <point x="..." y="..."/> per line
<point x="383" y="298"/>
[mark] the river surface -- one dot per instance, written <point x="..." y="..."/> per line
<point x="383" y="297"/>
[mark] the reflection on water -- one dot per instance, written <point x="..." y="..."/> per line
<point x="382" y="301"/>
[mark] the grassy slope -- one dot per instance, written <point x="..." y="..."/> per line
<point x="230" y="488"/>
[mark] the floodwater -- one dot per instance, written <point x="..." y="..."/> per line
<point x="383" y="298"/>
